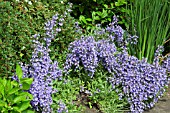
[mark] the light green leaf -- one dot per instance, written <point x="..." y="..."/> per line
<point x="2" y="89"/>
<point x="28" y="111"/>
<point x="12" y="91"/>
<point x="19" y="98"/>
<point x="88" y="19"/>
<point x="24" y="105"/>
<point x="27" y="80"/>
<point x="82" y="18"/>
<point x="96" y="18"/>
<point x="117" y="4"/>
<point x="2" y="103"/>
<point x="16" y="108"/>
<point x="19" y="71"/>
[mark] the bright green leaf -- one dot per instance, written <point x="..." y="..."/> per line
<point x="117" y="4"/>
<point x="19" y="98"/>
<point x="14" y="90"/>
<point x="88" y="19"/>
<point x="24" y="105"/>
<point x="2" y="103"/>
<point x="27" y="80"/>
<point x="82" y="18"/>
<point x="19" y="71"/>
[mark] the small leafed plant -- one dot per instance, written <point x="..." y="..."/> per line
<point x="13" y="95"/>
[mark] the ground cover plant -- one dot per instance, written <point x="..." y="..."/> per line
<point x="72" y="71"/>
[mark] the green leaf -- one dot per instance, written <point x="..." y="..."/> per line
<point x="2" y="89"/>
<point x="24" y="105"/>
<point x="25" y="86"/>
<point x="27" y="80"/>
<point x="81" y="9"/>
<point x="117" y="4"/>
<point x="96" y="18"/>
<point x="88" y="19"/>
<point x="19" y="71"/>
<point x="0" y="41"/>
<point x="83" y="19"/>
<point x="19" y="98"/>
<point x="28" y="111"/>
<point x="12" y="91"/>
<point x="16" y="108"/>
<point x="14" y="83"/>
<point x="2" y="103"/>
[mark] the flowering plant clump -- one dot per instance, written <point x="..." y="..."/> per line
<point x="43" y="71"/>
<point x="142" y="83"/>
<point x="82" y="52"/>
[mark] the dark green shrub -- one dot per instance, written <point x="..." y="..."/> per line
<point x="18" y="22"/>
<point x="90" y="12"/>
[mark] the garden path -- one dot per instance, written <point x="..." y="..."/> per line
<point x="163" y="105"/>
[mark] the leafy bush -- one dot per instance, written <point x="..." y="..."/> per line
<point x="19" y="21"/>
<point x="13" y="95"/>
<point x="99" y="12"/>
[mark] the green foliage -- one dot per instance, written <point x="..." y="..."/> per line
<point x="99" y="12"/>
<point x="68" y="31"/>
<point x="13" y="97"/>
<point x="98" y="91"/>
<point x="67" y="91"/>
<point x="19" y="21"/>
<point x="151" y="21"/>
<point x="104" y="96"/>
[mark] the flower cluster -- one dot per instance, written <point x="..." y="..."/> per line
<point x="166" y="63"/>
<point x="82" y="52"/>
<point x="62" y="108"/>
<point x="43" y="71"/>
<point x="105" y="53"/>
<point x="142" y="83"/>
<point x="54" y="26"/>
<point x="116" y="32"/>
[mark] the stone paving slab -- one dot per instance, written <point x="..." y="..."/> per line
<point x="163" y="105"/>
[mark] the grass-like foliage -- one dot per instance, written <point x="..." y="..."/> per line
<point x="150" y="20"/>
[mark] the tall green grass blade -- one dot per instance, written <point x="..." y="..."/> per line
<point x="151" y="20"/>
